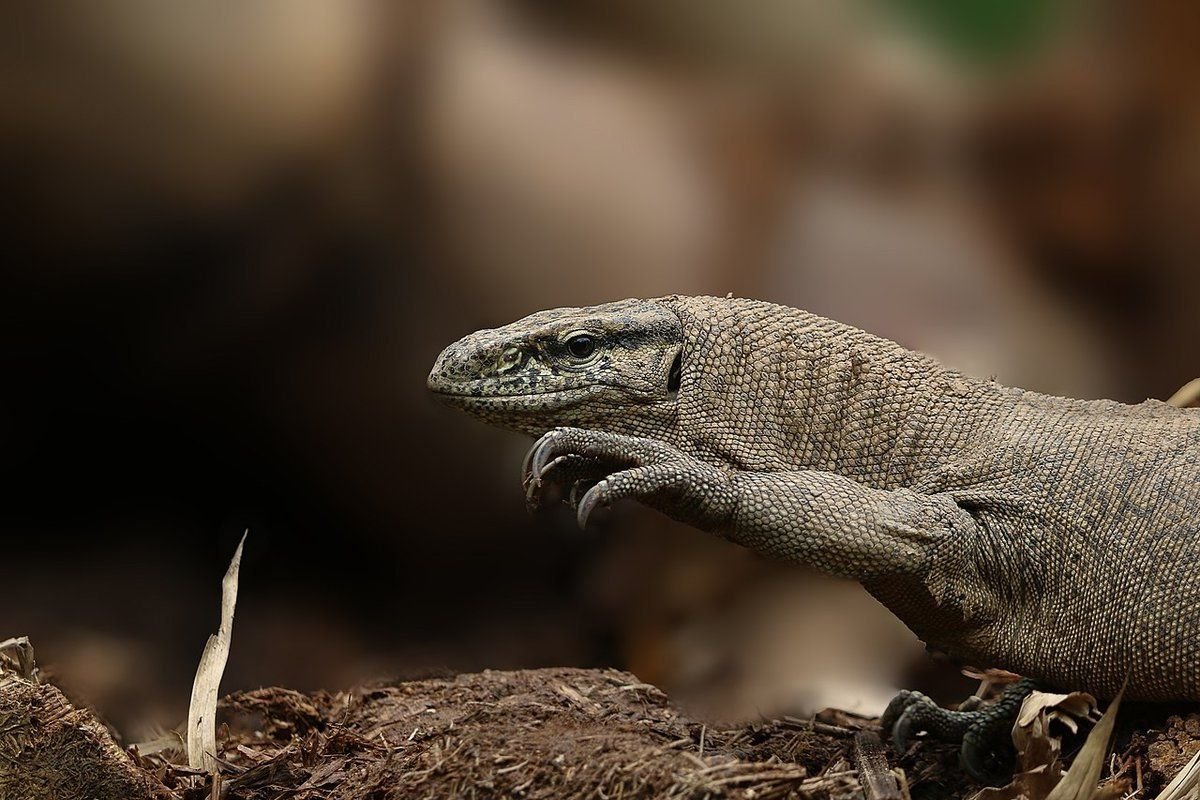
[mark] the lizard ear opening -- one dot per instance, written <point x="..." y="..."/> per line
<point x="675" y="375"/>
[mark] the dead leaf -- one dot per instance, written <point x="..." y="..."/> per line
<point x="1081" y="780"/>
<point x="1039" y="746"/>
<point x="1064" y="708"/>
<point x="202" y="712"/>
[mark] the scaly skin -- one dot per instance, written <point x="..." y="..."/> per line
<point x="1055" y="538"/>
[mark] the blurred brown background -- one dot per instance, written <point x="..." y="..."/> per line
<point x="237" y="234"/>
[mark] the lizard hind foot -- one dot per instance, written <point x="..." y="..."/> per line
<point x="983" y="733"/>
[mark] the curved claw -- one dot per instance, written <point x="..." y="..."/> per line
<point x="644" y="469"/>
<point x="917" y="718"/>
<point x="539" y="455"/>
<point x="895" y="711"/>
<point x="912" y="712"/>
<point x="981" y="762"/>
<point x="536" y="457"/>
<point x="901" y="729"/>
<point x="533" y="491"/>
<point x="578" y="489"/>
<point x="588" y="502"/>
<point x="552" y="465"/>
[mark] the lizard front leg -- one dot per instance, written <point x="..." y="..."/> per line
<point x="811" y="517"/>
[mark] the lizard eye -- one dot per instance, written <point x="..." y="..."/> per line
<point x="581" y="346"/>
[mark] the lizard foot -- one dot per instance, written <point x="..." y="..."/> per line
<point x="985" y="733"/>
<point x="573" y="460"/>
<point x="604" y="467"/>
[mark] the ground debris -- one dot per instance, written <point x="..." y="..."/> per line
<point x="547" y="733"/>
<point x="1155" y="749"/>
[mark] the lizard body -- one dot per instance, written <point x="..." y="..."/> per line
<point x="1052" y="537"/>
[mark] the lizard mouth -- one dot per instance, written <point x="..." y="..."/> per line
<point x="485" y="394"/>
<point x="487" y="399"/>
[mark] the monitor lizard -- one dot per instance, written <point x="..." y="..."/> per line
<point x="1052" y="537"/>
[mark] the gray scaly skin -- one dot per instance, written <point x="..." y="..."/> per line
<point x="1052" y="537"/>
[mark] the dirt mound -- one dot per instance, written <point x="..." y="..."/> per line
<point x="555" y="733"/>
<point x="550" y="733"/>
<point x="48" y="749"/>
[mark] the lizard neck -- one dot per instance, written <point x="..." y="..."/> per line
<point x="897" y="417"/>
<point x="882" y="415"/>
<point x="776" y="389"/>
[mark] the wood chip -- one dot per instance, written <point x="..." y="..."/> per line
<point x="877" y="780"/>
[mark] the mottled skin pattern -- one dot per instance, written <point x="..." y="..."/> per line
<point x="1055" y="538"/>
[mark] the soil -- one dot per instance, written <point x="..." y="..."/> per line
<point x="550" y="733"/>
<point x="555" y="733"/>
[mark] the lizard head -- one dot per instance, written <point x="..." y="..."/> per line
<point x="614" y="366"/>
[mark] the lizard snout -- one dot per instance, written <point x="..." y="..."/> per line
<point x="455" y="369"/>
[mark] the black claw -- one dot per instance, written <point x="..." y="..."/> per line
<point x="900" y="731"/>
<point x="898" y="719"/>
<point x="982" y="763"/>
<point x="896" y="709"/>
<point x="913" y="712"/>
<point x="987" y="759"/>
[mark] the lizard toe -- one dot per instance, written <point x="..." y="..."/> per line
<point x="639" y="483"/>
<point x="614" y="450"/>
<point x="987" y="751"/>
<point x="912" y="713"/>
<point x="683" y="489"/>
<point x="892" y="715"/>
<point x="986" y="756"/>
<point x="922" y="716"/>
